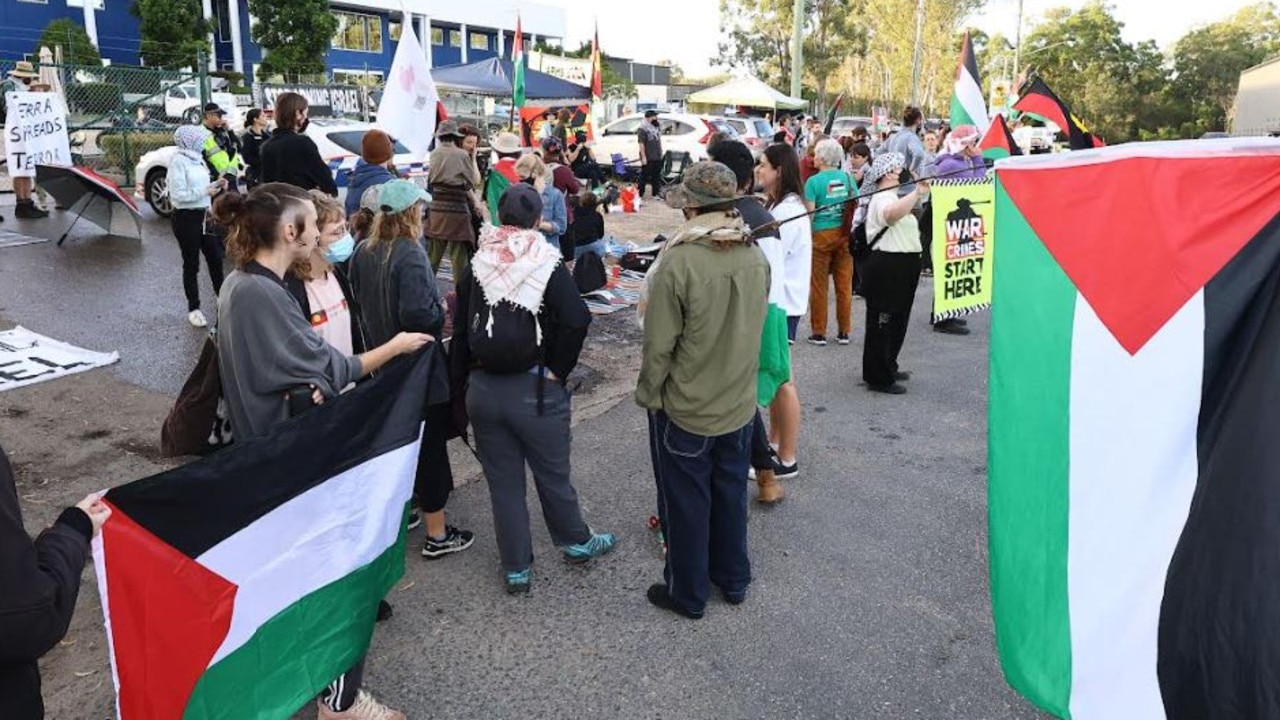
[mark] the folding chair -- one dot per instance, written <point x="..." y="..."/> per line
<point x="623" y="171"/>
<point x="673" y="166"/>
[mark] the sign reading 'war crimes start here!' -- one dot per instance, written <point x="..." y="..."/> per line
<point x="35" y="132"/>
<point x="963" y="244"/>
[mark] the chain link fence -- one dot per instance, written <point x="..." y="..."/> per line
<point x="115" y="115"/>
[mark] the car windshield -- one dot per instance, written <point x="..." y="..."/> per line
<point x="349" y="140"/>
<point x="763" y="129"/>
<point x="724" y="127"/>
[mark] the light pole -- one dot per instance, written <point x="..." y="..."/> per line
<point x="1017" y="51"/>
<point x="916" y="55"/>
<point x="797" y="46"/>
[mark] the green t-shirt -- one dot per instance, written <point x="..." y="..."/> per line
<point x="825" y="188"/>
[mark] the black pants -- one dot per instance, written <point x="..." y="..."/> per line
<point x="434" y="479"/>
<point x="926" y="236"/>
<point x="188" y="228"/>
<point x="890" y="290"/>
<point x="651" y="173"/>
<point x="761" y="453"/>
<point x="341" y="693"/>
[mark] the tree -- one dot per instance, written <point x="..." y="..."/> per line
<point x="77" y="48"/>
<point x="173" y="32"/>
<point x="295" y="35"/>
<point x="832" y="34"/>
<point x="1207" y="63"/>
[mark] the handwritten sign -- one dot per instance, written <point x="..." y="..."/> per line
<point x="35" y="132"/>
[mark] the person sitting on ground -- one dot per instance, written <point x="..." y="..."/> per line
<point x="267" y="349"/>
<point x="41" y="580"/>
<point x="587" y="229"/>
<point x="374" y="168"/>
<point x="703" y="305"/>
<point x="452" y="177"/>
<point x="555" y="220"/>
<point x="518" y="332"/>
<point x="583" y="160"/>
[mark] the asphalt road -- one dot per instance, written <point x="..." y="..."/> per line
<point x="870" y="597"/>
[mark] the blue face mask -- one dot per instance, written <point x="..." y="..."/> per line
<point x="340" y="250"/>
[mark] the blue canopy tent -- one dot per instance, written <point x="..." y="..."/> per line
<point x="492" y="78"/>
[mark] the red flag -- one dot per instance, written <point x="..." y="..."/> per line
<point x="597" y="83"/>
<point x="998" y="142"/>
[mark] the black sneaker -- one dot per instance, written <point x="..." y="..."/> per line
<point x="658" y="597"/>
<point x="891" y="389"/>
<point x="819" y="340"/>
<point x="782" y="471"/>
<point x="415" y="519"/>
<point x="902" y="375"/>
<point x="950" y="327"/>
<point x="455" y="540"/>
<point x="384" y="611"/>
<point x="29" y="211"/>
<point x="842" y="339"/>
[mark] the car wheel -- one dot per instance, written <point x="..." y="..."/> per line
<point x="157" y="191"/>
<point x="191" y="115"/>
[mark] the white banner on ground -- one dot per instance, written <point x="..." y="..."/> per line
<point x="35" y="132"/>
<point x="408" y="108"/>
<point x="27" y="358"/>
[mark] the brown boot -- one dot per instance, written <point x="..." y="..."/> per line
<point x="770" y="488"/>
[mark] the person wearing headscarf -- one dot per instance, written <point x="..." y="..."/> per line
<point x="961" y="157"/>
<point x="522" y="417"/>
<point x="190" y="192"/>
<point x="892" y="272"/>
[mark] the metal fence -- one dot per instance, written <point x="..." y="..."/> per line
<point x="115" y="115"/>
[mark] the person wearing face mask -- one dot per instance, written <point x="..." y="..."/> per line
<point x="292" y="157"/>
<point x="266" y="349"/>
<point x="320" y="282"/>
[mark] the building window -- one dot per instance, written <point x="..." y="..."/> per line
<point x="358" y="32"/>
<point x="37" y="2"/>
<point x="394" y="29"/>
<point x="455" y="38"/>
<point x="357" y="77"/>
<point x="223" y="13"/>
<point x="437" y="36"/>
<point x="479" y="41"/>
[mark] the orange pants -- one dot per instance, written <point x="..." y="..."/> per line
<point x="831" y="257"/>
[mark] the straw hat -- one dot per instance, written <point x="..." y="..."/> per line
<point x="23" y="69"/>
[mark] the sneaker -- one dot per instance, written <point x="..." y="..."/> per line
<point x="659" y="597"/>
<point x="783" y="471"/>
<point x="734" y="598"/>
<point x="950" y="327"/>
<point x="197" y="319"/>
<point x="29" y="211"/>
<point x="819" y="340"/>
<point x="902" y="375"/>
<point x="842" y="339"/>
<point x="595" y="546"/>
<point x="791" y="341"/>
<point x="518" y="582"/>
<point x="385" y="611"/>
<point x="890" y="389"/>
<point x="455" y="540"/>
<point x="415" y="519"/>
<point x="365" y="708"/>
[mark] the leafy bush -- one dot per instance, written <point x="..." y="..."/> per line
<point x="93" y="98"/>
<point x="77" y="49"/>
<point x="121" y="150"/>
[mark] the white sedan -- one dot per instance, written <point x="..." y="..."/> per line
<point x="681" y="132"/>
<point x="338" y="141"/>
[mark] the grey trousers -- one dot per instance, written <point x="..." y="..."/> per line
<point x="509" y="433"/>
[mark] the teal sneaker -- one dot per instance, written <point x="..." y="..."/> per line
<point x="518" y="581"/>
<point x="595" y="546"/>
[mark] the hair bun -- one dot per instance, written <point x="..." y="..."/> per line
<point x="228" y="207"/>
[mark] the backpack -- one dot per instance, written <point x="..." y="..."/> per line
<point x="859" y="247"/>
<point x="589" y="274"/>
<point x="199" y="421"/>
<point x="504" y="337"/>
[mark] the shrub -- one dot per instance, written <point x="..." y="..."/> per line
<point x="122" y="149"/>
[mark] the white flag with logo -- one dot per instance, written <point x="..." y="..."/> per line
<point x="408" y="108"/>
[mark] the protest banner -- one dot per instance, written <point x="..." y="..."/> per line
<point x="322" y="100"/>
<point x="27" y="358"/>
<point x="35" y="132"/>
<point x="963" y="243"/>
<point x="531" y="120"/>
<point x="410" y="104"/>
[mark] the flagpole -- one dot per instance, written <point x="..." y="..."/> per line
<point x="1017" y="51"/>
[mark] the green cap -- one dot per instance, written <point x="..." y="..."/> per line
<point x="705" y="183"/>
<point x="400" y="195"/>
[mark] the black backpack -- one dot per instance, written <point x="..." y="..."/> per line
<point x="588" y="273"/>
<point x="513" y="346"/>
<point x="859" y="247"/>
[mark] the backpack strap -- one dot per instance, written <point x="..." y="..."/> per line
<point x="872" y="245"/>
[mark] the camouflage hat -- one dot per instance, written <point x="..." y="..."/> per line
<point x="705" y="183"/>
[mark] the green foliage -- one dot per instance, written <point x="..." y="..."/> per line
<point x="93" y="98"/>
<point x="1207" y="63"/>
<point x="77" y="48"/>
<point x="121" y="150"/>
<point x="295" y="34"/>
<point x="173" y="32"/>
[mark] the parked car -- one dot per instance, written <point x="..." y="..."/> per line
<point x="756" y="132"/>
<point x="846" y="123"/>
<point x="680" y="132"/>
<point x="338" y="141"/>
<point x="182" y="102"/>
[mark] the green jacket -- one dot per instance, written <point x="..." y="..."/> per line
<point x="706" y="301"/>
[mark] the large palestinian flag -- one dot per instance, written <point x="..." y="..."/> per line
<point x="1134" y="404"/>
<point x="240" y="585"/>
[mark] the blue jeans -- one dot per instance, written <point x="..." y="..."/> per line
<point x="702" y="505"/>
<point x="597" y="247"/>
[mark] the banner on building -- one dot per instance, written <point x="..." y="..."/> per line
<point x="35" y="132"/>
<point x="963" y="243"/>
<point x="575" y="70"/>
<point x="533" y="117"/>
<point x="322" y="100"/>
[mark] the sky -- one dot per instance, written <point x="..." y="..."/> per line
<point x="687" y="31"/>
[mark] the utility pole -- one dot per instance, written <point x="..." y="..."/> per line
<point x="1017" y="51"/>
<point x="797" y="46"/>
<point x="917" y="55"/>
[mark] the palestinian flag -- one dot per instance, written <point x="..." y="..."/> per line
<point x="1135" y="393"/>
<point x="968" y="106"/>
<point x="240" y="585"/>
<point x="517" y="63"/>
<point x="1037" y="99"/>
<point x="998" y="142"/>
